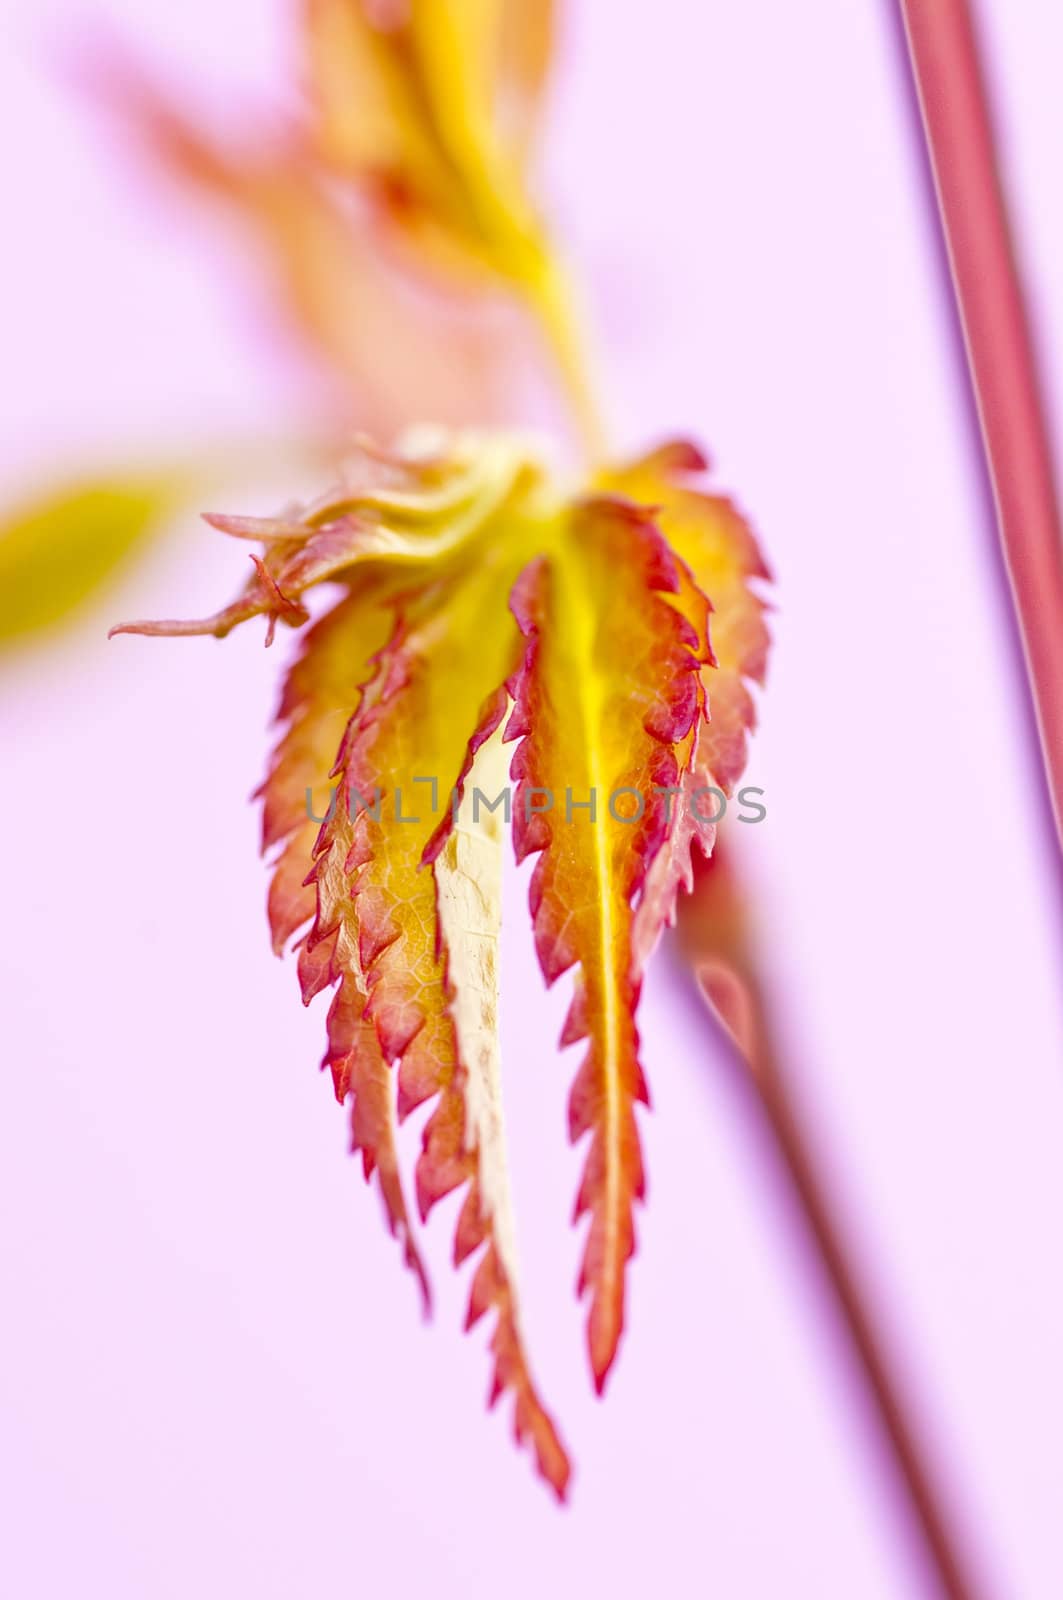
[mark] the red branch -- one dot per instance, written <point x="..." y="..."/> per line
<point x="959" y="136"/>
<point x="720" y="945"/>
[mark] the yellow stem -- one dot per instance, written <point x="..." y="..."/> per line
<point x="551" y="295"/>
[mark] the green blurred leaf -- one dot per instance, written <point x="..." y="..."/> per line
<point x="58" y="551"/>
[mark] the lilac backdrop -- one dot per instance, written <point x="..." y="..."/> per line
<point x="213" y="1380"/>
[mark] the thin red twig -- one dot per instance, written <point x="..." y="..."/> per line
<point x="717" y="943"/>
<point x="943" y="49"/>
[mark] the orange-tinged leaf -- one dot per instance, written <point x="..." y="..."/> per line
<point x="446" y="658"/>
<point x="723" y="563"/>
<point x="379" y="929"/>
<point x="322" y="690"/>
<point x="712" y="537"/>
<point x="605" y="695"/>
<point x="409" y="740"/>
<point x="488" y="613"/>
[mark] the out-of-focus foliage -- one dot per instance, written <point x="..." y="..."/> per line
<point x="432" y="104"/>
<point x="394" y="207"/>
<point x="55" y="551"/>
<point x="393" y="345"/>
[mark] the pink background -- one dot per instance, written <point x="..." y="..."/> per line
<point x="213" y="1380"/>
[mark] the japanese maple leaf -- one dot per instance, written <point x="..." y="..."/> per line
<point x="491" y="619"/>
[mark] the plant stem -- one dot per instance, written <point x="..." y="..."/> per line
<point x="716" y="943"/>
<point x="943" y="50"/>
<point x="552" y="297"/>
<point x="781" y="1116"/>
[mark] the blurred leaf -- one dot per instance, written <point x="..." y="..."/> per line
<point x="58" y="551"/>
<point x="431" y="104"/>
<point x="395" y="204"/>
<point x="354" y="310"/>
<point x="429" y="107"/>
